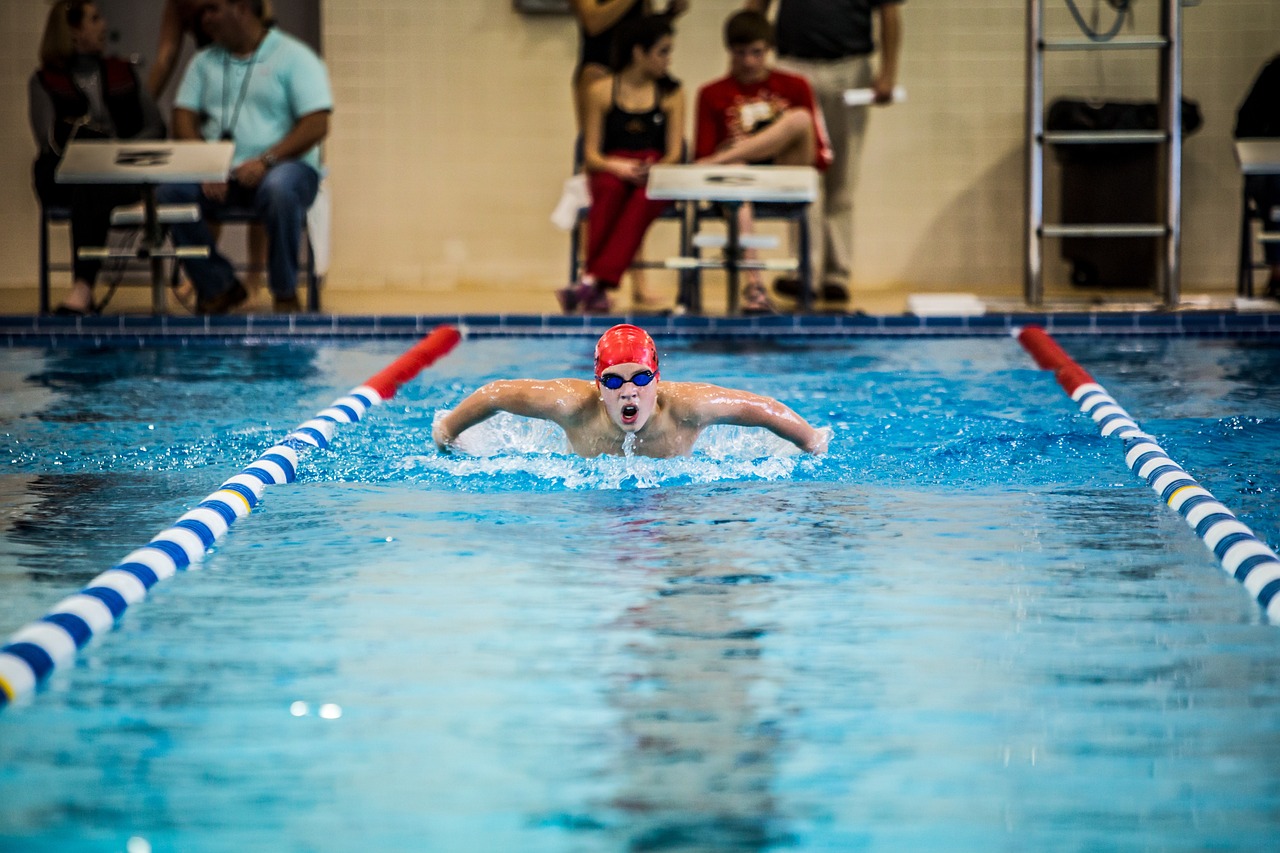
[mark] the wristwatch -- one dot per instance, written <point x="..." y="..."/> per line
<point x="269" y="159"/>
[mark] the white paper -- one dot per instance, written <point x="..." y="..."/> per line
<point x="865" y="97"/>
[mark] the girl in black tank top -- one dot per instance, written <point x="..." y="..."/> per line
<point x="633" y="120"/>
<point x="635" y="131"/>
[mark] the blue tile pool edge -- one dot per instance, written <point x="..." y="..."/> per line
<point x="29" y="330"/>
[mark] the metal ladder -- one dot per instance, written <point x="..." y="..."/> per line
<point x="1169" y="43"/>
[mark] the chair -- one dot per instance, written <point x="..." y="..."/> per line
<point x="314" y="233"/>
<point x="1259" y="160"/>
<point x="50" y="216"/>
<point x="801" y="263"/>
<point x="1251" y="233"/>
<point x="129" y="217"/>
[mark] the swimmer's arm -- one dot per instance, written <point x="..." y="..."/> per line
<point x="551" y="400"/>
<point x="742" y="408"/>
<point x="167" y="48"/>
<point x="596" y="16"/>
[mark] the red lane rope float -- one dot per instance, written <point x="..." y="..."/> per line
<point x="34" y="651"/>
<point x="1050" y="356"/>
<point x="1241" y="554"/>
<point x="420" y="355"/>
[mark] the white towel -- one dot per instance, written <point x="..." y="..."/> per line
<point x="573" y="198"/>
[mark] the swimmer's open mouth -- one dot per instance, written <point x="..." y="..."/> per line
<point x="629" y="413"/>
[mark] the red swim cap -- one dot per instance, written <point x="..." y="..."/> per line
<point x="626" y="344"/>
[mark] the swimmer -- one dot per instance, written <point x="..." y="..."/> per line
<point x="627" y="404"/>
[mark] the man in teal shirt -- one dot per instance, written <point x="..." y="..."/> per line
<point x="269" y="94"/>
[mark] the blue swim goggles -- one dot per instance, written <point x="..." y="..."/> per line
<point x="613" y="381"/>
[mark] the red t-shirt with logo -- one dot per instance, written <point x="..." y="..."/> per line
<point x="729" y="110"/>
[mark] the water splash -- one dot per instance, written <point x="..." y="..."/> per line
<point x="527" y="452"/>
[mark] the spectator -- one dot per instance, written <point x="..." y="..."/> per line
<point x="269" y="93"/>
<point x="598" y="24"/>
<point x="830" y="42"/>
<point x="178" y="18"/>
<point x="78" y="92"/>
<point x="634" y="119"/>
<point x="757" y="115"/>
<point x="1259" y="116"/>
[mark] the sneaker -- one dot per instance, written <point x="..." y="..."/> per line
<point x="1273" y="286"/>
<point x="787" y="286"/>
<point x="834" y="291"/>
<point x="571" y="298"/>
<point x="755" y="300"/>
<point x="286" y="304"/>
<point x="597" y="302"/>
<point x="185" y="294"/>
<point x="232" y="297"/>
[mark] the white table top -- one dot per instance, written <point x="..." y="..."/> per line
<point x="159" y="161"/>
<point x="1258" y="156"/>
<point x="734" y="183"/>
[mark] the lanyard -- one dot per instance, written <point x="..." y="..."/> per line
<point x="229" y="130"/>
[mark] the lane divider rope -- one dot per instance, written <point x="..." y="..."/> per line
<point x="1241" y="554"/>
<point x="32" y="653"/>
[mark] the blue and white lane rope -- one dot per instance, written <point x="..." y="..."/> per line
<point x="32" y="653"/>
<point x="1240" y="553"/>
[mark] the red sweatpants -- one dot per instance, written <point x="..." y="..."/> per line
<point x="620" y="214"/>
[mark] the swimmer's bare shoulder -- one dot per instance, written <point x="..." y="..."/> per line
<point x="690" y="403"/>
<point x="698" y="405"/>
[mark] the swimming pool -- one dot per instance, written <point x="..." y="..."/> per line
<point x="969" y="627"/>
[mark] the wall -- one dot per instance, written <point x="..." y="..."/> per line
<point x="453" y="133"/>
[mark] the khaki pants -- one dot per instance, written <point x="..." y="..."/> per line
<point x="832" y="225"/>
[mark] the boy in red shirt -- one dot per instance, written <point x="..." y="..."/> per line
<point x="758" y="115"/>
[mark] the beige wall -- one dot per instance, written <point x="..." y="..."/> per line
<point x="453" y="130"/>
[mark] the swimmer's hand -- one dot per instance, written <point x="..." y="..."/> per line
<point x="817" y="443"/>
<point x="444" y="441"/>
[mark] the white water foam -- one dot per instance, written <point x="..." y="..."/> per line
<point x="511" y="445"/>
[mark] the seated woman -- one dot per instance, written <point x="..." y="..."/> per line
<point x="79" y="93"/>
<point x="634" y="118"/>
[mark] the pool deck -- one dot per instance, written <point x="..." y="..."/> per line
<point x="480" y="311"/>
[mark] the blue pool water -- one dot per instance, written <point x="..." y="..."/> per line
<point x="968" y="628"/>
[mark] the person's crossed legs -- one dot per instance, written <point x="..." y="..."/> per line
<point x="787" y="141"/>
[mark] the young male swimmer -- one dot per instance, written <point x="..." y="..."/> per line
<point x="628" y="400"/>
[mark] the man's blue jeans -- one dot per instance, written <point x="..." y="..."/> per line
<point x="280" y="202"/>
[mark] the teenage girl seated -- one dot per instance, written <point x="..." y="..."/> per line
<point x="633" y="119"/>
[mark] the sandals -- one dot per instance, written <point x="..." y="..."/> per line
<point x="755" y="299"/>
